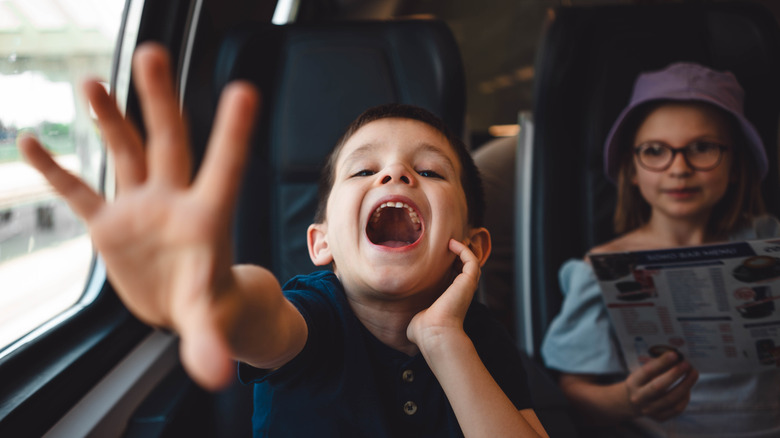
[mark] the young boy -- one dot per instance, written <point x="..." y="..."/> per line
<point x="388" y="344"/>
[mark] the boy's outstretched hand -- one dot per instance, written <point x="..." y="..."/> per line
<point x="166" y="239"/>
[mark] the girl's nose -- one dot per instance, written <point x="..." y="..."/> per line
<point x="680" y="165"/>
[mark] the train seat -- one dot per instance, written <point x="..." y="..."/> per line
<point x="584" y="73"/>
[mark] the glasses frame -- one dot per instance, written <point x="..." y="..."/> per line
<point x="684" y="151"/>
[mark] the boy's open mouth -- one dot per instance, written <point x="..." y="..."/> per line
<point x="394" y="224"/>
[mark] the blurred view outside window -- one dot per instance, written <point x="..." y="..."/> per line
<point x="47" y="48"/>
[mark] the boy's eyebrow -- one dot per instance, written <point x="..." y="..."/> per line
<point x="429" y="148"/>
<point x="358" y="153"/>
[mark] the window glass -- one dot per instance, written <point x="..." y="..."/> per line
<point x="47" y="48"/>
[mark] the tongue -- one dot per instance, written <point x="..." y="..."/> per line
<point x="394" y="243"/>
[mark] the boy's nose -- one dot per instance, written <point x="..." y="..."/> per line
<point x="397" y="173"/>
<point x="404" y="179"/>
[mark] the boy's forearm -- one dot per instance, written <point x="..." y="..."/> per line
<point x="262" y="327"/>
<point x="480" y="405"/>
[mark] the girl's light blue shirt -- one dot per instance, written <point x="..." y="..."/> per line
<point x="581" y="340"/>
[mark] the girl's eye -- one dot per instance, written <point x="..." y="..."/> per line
<point x="653" y="150"/>
<point x="704" y="148"/>
<point x="364" y="172"/>
<point x="429" y="174"/>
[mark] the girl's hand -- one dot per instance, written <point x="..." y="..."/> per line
<point x="446" y="314"/>
<point x="661" y="388"/>
<point x="165" y="239"/>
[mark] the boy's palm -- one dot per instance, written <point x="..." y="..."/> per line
<point x="165" y="241"/>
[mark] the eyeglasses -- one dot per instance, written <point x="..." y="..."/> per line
<point x="657" y="156"/>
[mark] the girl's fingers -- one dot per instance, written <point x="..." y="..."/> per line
<point x="219" y="178"/>
<point x="651" y="381"/>
<point x="79" y="196"/>
<point x="653" y="369"/>
<point x="661" y="384"/>
<point x="120" y="135"/>
<point x="676" y="399"/>
<point x="167" y="140"/>
<point x="671" y="412"/>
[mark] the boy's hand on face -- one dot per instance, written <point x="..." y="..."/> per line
<point x="166" y="240"/>
<point x="445" y="316"/>
<point x="661" y="388"/>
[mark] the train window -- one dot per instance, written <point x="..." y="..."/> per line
<point x="47" y="47"/>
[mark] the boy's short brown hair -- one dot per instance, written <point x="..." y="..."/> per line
<point x="470" y="178"/>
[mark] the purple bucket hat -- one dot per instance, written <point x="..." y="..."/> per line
<point x="685" y="81"/>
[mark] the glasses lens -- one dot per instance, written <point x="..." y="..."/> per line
<point x="653" y="155"/>
<point x="703" y="155"/>
<point x="657" y="156"/>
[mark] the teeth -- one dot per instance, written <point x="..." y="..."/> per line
<point x="412" y="214"/>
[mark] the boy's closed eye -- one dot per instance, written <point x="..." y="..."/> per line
<point x="427" y="173"/>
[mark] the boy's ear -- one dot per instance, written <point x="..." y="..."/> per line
<point x="479" y="244"/>
<point x="317" y="240"/>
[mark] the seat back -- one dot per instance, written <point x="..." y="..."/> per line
<point x="585" y="70"/>
<point x="315" y="79"/>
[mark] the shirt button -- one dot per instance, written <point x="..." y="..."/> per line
<point x="408" y="376"/>
<point x="410" y="408"/>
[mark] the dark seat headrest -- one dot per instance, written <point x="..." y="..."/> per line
<point x="315" y="79"/>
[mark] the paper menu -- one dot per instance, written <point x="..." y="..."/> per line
<point x="715" y="304"/>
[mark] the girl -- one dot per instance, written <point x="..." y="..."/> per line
<point x="688" y="165"/>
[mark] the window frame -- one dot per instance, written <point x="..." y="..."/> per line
<point x="44" y="377"/>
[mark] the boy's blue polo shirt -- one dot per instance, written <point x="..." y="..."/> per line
<point x="346" y="383"/>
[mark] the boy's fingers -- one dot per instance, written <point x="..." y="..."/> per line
<point x="469" y="260"/>
<point x="466" y="281"/>
<point x="169" y="158"/>
<point x="220" y="175"/>
<point x="119" y="134"/>
<point x="81" y="198"/>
